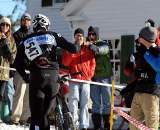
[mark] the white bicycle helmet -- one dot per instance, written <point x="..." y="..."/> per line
<point x="40" y="22"/>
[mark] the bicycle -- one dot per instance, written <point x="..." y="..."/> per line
<point x="63" y="117"/>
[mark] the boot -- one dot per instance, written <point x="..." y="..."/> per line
<point x="96" y="119"/>
<point x="106" y="122"/>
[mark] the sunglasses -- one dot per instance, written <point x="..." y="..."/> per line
<point x="5" y="24"/>
<point x="93" y="34"/>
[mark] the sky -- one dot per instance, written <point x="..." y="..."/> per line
<point x="7" y="6"/>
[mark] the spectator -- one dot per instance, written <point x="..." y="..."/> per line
<point x="20" y="111"/>
<point x="145" y="104"/>
<point x="83" y="62"/>
<point x="100" y="95"/>
<point x="7" y="54"/>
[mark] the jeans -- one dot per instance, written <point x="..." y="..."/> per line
<point x="79" y="92"/>
<point x="101" y="97"/>
<point x="9" y="93"/>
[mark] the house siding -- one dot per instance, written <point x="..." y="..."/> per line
<point x="58" y="24"/>
<point x="116" y="18"/>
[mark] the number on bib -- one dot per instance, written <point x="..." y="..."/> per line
<point x="32" y="50"/>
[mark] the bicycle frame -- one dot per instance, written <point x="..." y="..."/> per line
<point x="63" y="117"/>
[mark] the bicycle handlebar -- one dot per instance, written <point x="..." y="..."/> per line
<point x="62" y="78"/>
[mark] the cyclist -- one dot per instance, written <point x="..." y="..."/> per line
<point x="38" y="54"/>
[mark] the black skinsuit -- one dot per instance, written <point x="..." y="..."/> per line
<point x="37" y="53"/>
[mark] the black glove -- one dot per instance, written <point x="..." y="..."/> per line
<point x="26" y="78"/>
<point x="93" y="48"/>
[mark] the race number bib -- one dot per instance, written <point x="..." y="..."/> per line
<point x="32" y="50"/>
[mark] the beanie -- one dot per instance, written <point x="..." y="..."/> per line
<point x="5" y="20"/>
<point x="148" y="33"/>
<point x="93" y="30"/>
<point x="79" y="30"/>
<point x="26" y="16"/>
<point x="150" y="22"/>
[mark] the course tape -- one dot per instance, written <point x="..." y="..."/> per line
<point x="75" y="80"/>
<point x="124" y="109"/>
<point x="133" y="121"/>
<point x="96" y="83"/>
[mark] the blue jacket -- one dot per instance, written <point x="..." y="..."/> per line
<point x="155" y="63"/>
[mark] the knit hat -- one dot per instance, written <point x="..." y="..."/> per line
<point x="93" y="30"/>
<point x="79" y="30"/>
<point x="150" y="22"/>
<point x="149" y="34"/>
<point x="5" y="20"/>
<point x="26" y="16"/>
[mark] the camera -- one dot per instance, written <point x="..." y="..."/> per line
<point x="140" y="48"/>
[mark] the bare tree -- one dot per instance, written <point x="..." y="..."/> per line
<point x="17" y="10"/>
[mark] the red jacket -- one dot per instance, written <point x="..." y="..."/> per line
<point x="158" y="40"/>
<point x="82" y="61"/>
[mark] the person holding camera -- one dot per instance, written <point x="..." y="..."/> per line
<point x="7" y="55"/>
<point x="145" y="104"/>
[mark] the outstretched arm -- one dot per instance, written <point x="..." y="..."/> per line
<point x="64" y="44"/>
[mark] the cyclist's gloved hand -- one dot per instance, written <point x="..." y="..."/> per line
<point x="26" y="78"/>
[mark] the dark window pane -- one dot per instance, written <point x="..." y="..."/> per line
<point x="46" y="3"/>
<point x="61" y="1"/>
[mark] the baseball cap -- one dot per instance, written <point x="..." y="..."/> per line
<point x="26" y="16"/>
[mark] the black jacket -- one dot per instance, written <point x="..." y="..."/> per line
<point x="144" y="73"/>
<point x="40" y="48"/>
<point x="20" y="34"/>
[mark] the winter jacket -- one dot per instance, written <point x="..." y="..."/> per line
<point x="146" y="75"/>
<point x="103" y="64"/>
<point x="82" y="61"/>
<point x="7" y="56"/>
<point x="38" y="51"/>
<point x="155" y="63"/>
<point x="20" y="34"/>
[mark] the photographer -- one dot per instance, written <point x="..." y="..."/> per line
<point x="7" y="55"/>
<point x="145" y="104"/>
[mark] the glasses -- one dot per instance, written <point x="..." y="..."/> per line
<point x="93" y="34"/>
<point x="5" y="24"/>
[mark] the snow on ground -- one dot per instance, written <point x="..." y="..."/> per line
<point x="116" y="125"/>
<point x="4" y="126"/>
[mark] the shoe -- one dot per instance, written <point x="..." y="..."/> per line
<point x="29" y="120"/>
<point x="96" y="119"/>
<point x="11" y="122"/>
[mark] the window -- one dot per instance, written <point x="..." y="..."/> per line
<point x="115" y="45"/>
<point x="46" y="3"/>
<point x="61" y="1"/>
